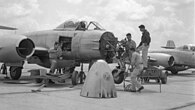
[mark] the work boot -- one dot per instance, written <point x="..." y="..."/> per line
<point x="141" y="88"/>
<point x="130" y="90"/>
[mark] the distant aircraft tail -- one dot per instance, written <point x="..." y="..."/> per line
<point x="170" y="45"/>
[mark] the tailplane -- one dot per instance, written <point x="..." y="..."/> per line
<point x="170" y="45"/>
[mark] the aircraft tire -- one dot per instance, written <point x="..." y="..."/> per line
<point x="174" y="72"/>
<point x="164" y="80"/>
<point x="82" y="77"/>
<point x="75" y="78"/>
<point x="38" y="80"/>
<point x="118" y="79"/>
<point x="15" y="72"/>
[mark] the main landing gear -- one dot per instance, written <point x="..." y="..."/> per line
<point x="15" y="71"/>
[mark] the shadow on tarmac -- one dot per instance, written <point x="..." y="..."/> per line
<point x="182" y="75"/>
<point x="145" y="91"/>
<point x="44" y="90"/>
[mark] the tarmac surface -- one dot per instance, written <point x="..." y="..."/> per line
<point x="177" y="94"/>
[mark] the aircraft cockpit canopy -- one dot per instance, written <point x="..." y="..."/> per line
<point x="70" y="24"/>
<point x="187" y="48"/>
<point x="94" y="26"/>
<point x="79" y="25"/>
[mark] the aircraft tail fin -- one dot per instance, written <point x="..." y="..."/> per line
<point x="170" y="45"/>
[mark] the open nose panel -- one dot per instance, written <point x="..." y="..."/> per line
<point x="108" y="44"/>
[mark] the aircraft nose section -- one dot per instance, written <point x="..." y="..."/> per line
<point x="108" y="44"/>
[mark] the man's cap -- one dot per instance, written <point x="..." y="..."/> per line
<point x="141" y="26"/>
<point x="128" y="34"/>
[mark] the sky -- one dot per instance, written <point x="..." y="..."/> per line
<point x="164" y="19"/>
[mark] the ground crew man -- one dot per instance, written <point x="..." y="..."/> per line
<point x="144" y="44"/>
<point x="54" y="55"/>
<point x="137" y="67"/>
<point x="129" y="44"/>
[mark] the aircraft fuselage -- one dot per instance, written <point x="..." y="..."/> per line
<point x="181" y="57"/>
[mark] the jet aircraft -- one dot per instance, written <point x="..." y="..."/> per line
<point x="80" y="44"/>
<point x="173" y="58"/>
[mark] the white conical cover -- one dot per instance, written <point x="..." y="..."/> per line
<point x="99" y="82"/>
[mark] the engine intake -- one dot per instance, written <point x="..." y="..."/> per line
<point x="25" y="48"/>
<point x="107" y="46"/>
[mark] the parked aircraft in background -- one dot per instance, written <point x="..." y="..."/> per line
<point x="173" y="58"/>
<point x="80" y="44"/>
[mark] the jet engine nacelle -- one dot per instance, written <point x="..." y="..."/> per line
<point x="15" y="48"/>
<point x="162" y="59"/>
<point x="94" y="45"/>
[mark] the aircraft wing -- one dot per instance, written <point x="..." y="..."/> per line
<point x="41" y="51"/>
<point x="7" y="28"/>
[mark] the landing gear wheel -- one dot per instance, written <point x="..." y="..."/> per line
<point x="118" y="77"/>
<point x="78" y="77"/>
<point x="75" y="78"/>
<point x="174" y="71"/>
<point x="15" y="72"/>
<point x="82" y="77"/>
<point x="38" y="80"/>
<point x="164" y="79"/>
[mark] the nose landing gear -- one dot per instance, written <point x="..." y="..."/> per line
<point x="78" y="77"/>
